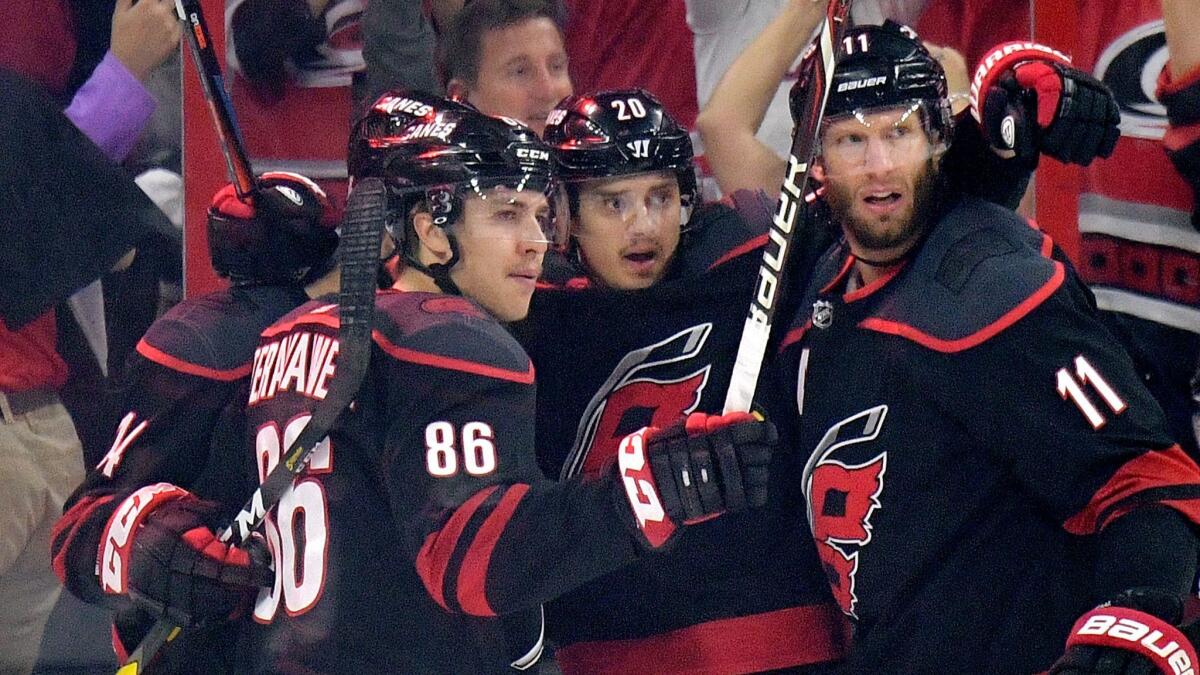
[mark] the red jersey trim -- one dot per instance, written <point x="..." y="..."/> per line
<point x="837" y="278"/>
<point x="860" y="293"/>
<point x="434" y="556"/>
<point x="978" y="337"/>
<point x="450" y="363"/>
<point x="1153" y="469"/>
<point x="795" y="335"/>
<point x="787" y="637"/>
<point x="311" y="317"/>
<point x="472" y="577"/>
<point x="755" y="243"/>
<point x="174" y="363"/>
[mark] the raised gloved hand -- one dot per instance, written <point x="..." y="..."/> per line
<point x="1028" y="100"/>
<point x="1134" y="634"/>
<point x="159" y="548"/>
<point x="694" y="470"/>
<point x="285" y="230"/>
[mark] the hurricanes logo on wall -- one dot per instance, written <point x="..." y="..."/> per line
<point x="842" y="496"/>
<point x="651" y="386"/>
<point x="1130" y="66"/>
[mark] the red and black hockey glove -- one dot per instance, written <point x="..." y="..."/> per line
<point x="160" y="549"/>
<point x="1028" y="100"/>
<point x="286" y="229"/>
<point x="694" y="470"/>
<point x="1134" y="634"/>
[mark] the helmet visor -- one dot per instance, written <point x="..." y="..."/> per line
<point x="879" y="139"/>
<point x="527" y="208"/>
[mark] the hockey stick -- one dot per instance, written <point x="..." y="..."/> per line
<point x="783" y="235"/>
<point x="212" y="82"/>
<point x="358" y="253"/>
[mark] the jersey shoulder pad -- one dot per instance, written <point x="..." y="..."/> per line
<point x="981" y="270"/>
<point x="448" y="332"/>
<point x="214" y="335"/>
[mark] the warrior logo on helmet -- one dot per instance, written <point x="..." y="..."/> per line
<point x="652" y="386"/>
<point x="842" y="496"/>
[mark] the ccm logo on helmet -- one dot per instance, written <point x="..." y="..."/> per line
<point x="863" y="83"/>
<point x="533" y="153"/>
<point x="1131" y="630"/>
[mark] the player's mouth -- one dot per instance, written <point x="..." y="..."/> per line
<point x="527" y="277"/>
<point x="641" y="261"/>
<point x="882" y="202"/>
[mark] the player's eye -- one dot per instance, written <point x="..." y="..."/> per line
<point x="615" y="203"/>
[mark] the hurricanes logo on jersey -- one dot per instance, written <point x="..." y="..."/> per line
<point x="842" y="497"/>
<point x="651" y="386"/>
<point x="1130" y="66"/>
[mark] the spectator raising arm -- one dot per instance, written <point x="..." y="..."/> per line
<point x="730" y="120"/>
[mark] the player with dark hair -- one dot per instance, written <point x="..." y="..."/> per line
<point x="172" y="468"/>
<point x="980" y="465"/>
<point x="506" y="57"/>
<point x="422" y="537"/>
<point x="638" y="324"/>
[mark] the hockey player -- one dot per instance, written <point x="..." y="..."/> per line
<point x="184" y="392"/>
<point x="980" y="465"/>
<point x="637" y="324"/>
<point x="422" y="537"/>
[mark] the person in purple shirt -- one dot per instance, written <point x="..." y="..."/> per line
<point x="39" y="448"/>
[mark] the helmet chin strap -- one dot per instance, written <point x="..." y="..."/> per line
<point x="440" y="272"/>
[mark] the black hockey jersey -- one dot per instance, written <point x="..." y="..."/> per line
<point x="421" y="537"/>
<point x="184" y="392"/>
<point x="967" y="426"/>
<point x="734" y="594"/>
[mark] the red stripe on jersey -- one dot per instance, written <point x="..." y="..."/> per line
<point x="450" y="363"/>
<point x="1153" y="469"/>
<point x="167" y="361"/>
<point x="787" y="637"/>
<point x="755" y="243"/>
<point x="435" y="553"/>
<point x="472" y="576"/>
<point x="860" y="293"/>
<point x="794" y="335"/>
<point x="70" y="523"/>
<point x="978" y="337"/>
<point x="840" y="275"/>
<point x="317" y="316"/>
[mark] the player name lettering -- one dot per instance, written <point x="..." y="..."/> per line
<point x="863" y="83"/>
<point x="439" y="130"/>
<point x="301" y="362"/>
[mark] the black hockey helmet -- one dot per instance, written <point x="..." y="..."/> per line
<point x="290" y="238"/>
<point x="882" y="66"/>
<point x="432" y="151"/>
<point x="617" y="133"/>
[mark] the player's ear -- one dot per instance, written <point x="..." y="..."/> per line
<point x="433" y="242"/>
